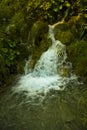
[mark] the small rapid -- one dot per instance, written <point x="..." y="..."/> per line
<point x="47" y="97"/>
<point x="52" y="71"/>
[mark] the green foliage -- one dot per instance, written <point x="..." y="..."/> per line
<point x="16" y="20"/>
<point x="9" y="51"/>
<point x="83" y="4"/>
<point x="48" y="9"/>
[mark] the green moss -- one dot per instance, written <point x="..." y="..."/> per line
<point x="77" y="53"/>
<point x="37" y="32"/>
<point x="37" y="51"/>
<point x="66" y="37"/>
<point x="20" y="66"/>
<point x="76" y="49"/>
<point x="38" y="40"/>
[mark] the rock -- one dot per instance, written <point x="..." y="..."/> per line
<point x="66" y="37"/>
<point x="38" y="32"/>
<point x="64" y="71"/>
<point x="77" y="53"/>
<point x="38" y="40"/>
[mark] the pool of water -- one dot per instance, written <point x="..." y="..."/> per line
<point x="58" y="110"/>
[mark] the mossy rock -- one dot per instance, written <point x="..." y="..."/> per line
<point x="38" y="41"/>
<point x="20" y="67"/>
<point x="77" y="54"/>
<point x="66" y="37"/>
<point x="70" y="35"/>
<point x="38" y="32"/>
<point x="71" y="30"/>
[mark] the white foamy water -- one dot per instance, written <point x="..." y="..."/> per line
<point x="46" y="74"/>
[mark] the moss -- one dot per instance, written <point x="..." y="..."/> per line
<point x="70" y="31"/>
<point x="70" y="34"/>
<point x="37" y="32"/>
<point x="66" y="37"/>
<point x="38" y="40"/>
<point x="20" y="67"/>
<point x="36" y="52"/>
<point x="77" y="53"/>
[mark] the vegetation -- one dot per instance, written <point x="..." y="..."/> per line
<point x="23" y="32"/>
<point x="17" y="19"/>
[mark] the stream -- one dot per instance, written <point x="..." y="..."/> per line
<point x="48" y="98"/>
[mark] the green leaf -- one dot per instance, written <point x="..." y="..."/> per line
<point x="56" y="9"/>
<point x="85" y="15"/>
<point x="60" y="7"/>
<point x="5" y="50"/>
<point x="62" y="0"/>
<point x="12" y="44"/>
<point x="18" y="53"/>
<point x="68" y="4"/>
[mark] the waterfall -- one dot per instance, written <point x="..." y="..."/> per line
<point x="27" y="68"/>
<point x="52" y="59"/>
<point x="52" y="70"/>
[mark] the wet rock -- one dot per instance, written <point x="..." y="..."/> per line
<point x="38" y="40"/>
<point x="77" y="55"/>
<point x="38" y="32"/>
<point x="65" y="37"/>
<point x="64" y="71"/>
<point x="73" y="35"/>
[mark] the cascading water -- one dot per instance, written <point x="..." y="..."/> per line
<point x="52" y="71"/>
<point x="27" y="66"/>
<point x="28" y="106"/>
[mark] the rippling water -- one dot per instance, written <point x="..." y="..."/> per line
<point x="60" y="110"/>
<point x="36" y="102"/>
